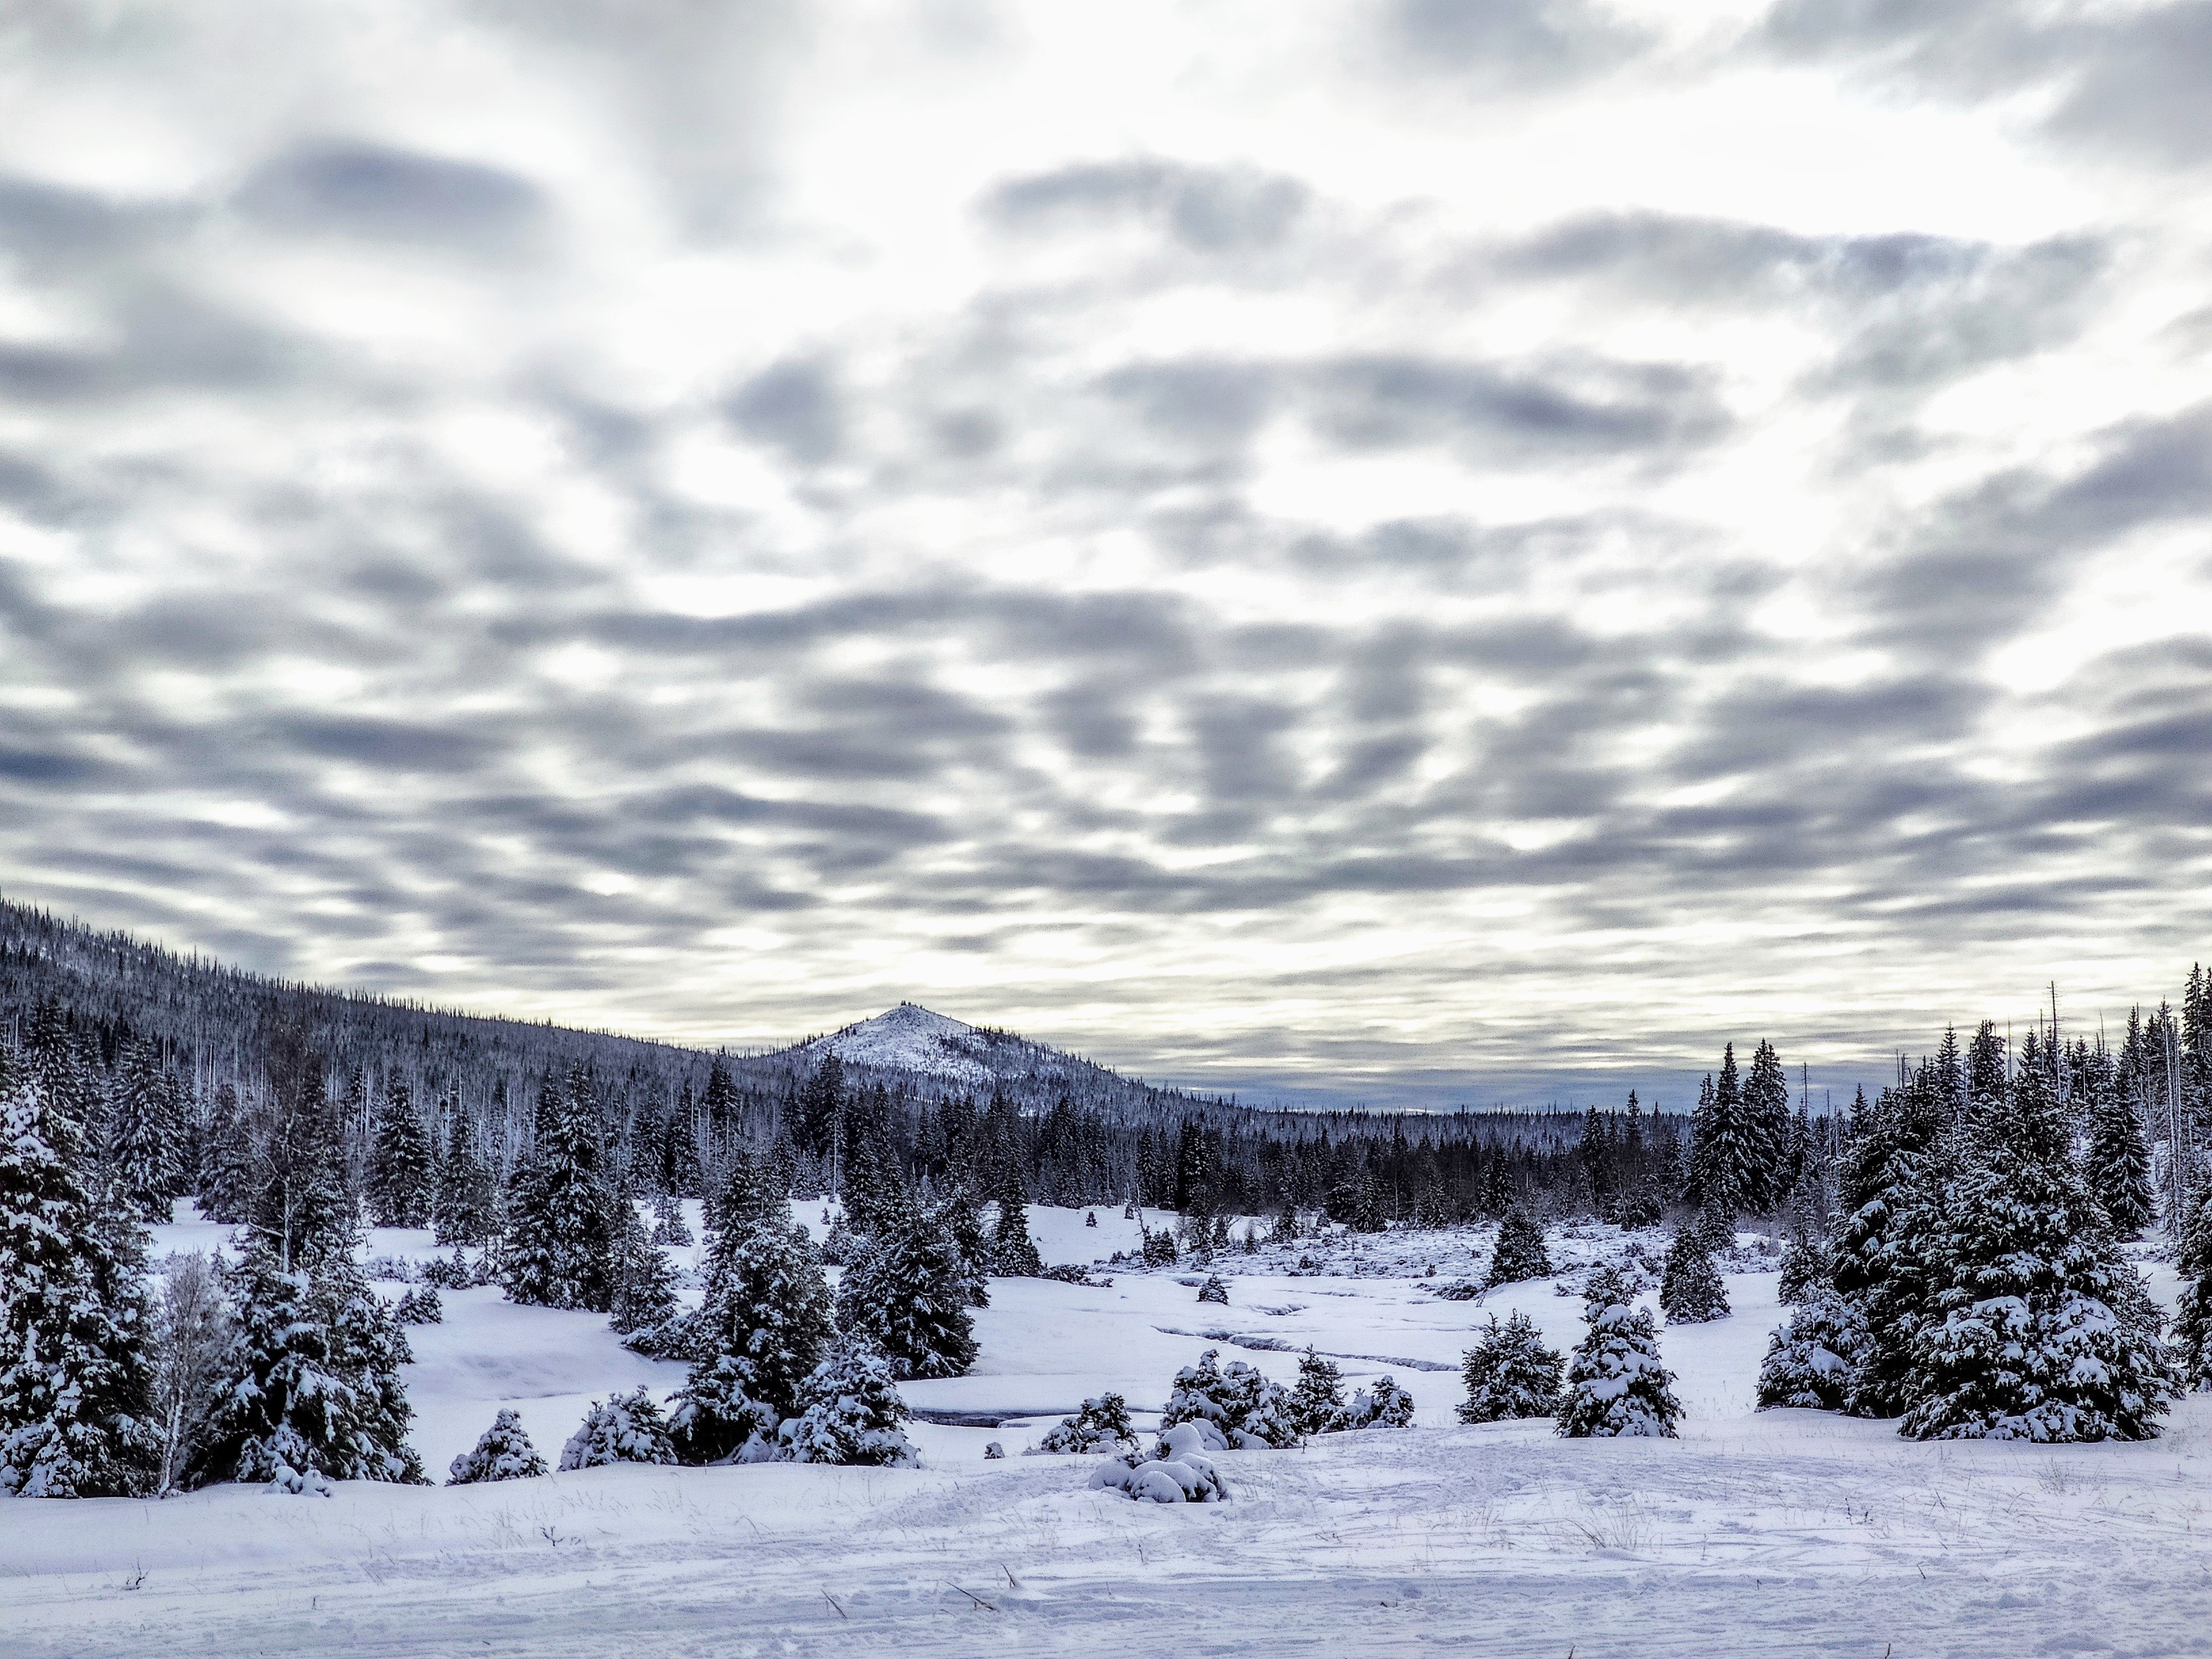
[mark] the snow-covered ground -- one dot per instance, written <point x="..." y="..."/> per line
<point x="1776" y="1532"/>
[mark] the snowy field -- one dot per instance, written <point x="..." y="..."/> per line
<point x="1793" y="1533"/>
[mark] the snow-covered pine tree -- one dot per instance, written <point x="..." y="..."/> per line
<point x="1814" y="1359"/>
<point x="1102" y="1425"/>
<point x="761" y="1330"/>
<point x="142" y="1155"/>
<point x="669" y="1227"/>
<point x="77" y="1407"/>
<point x="560" y="1236"/>
<point x="399" y="1169"/>
<point x="1805" y="1268"/>
<point x="1510" y="1373"/>
<point x="225" y="1175"/>
<point x="909" y="1295"/>
<point x="1014" y="1252"/>
<point x="1690" y="1288"/>
<point x="1766" y="1120"/>
<point x="367" y="1348"/>
<point x="1316" y="1400"/>
<point x="503" y="1452"/>
<point x="2038" y="1329"/>
<point x="851" y="1413"/>
<point x="1380" y="1405"/>
<point x="1250" y="1410"/>
<point x="297" y="1201"/>
<point x="1885" y="1191"/>
<point x="1215" y="1289"/>
<point x="625" y="1428"/>
<point x="2116" y="1162"/>
<point x="644" y="1300"/>
<point x="1726" y="1147"/>
<point x="1519" y="1253"/>
<point x="466" y="1209"/>
<point x="2192" y="1325"/>
<point x="420" y="1307"/>
<point x="1616" y="1385"/>
<point x="962" y="1220"/>
<point x="284" y="1411"/>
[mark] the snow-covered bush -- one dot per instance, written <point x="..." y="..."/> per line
<point x="422" y="1307"/>
<point x="993" y="1452"/>
<point x="1380" y="1405"/>
<point x="1159" y="1250"/>
<point x="1510" y="1373"/>
<point x="1519" y="1253"/>
<point x="456" y="1271"/>
<point x="713" y="1418"/>
<point x="629" y="1428"/>
<point x="1178" y="1473"/>
<point x="286" y="1481"/>
<point x="851" y="1413"/>
<point x="1804" y="1269"/>
<point x="389" y="1269"/>
<point x="1460" y="1289"/>
<point x="1690" y="1288"/>
<point x="1250" y="1410"/>
<point x="1214" y="1290"/>
<point x="1616" y="1385"/>
<point x="1102" y="1425"/>
<point x="503" y="1453"/>
<point x="1813" y="1361"/>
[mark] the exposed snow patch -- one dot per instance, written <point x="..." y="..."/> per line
<point x="912" y="1038"/>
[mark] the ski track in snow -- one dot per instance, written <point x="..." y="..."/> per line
<point x="1767" y="1533"/>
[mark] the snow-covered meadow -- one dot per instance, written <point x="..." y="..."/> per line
<point x="1796" y="1533"/>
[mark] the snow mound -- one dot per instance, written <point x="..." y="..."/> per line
<point x="911" y="1038"/>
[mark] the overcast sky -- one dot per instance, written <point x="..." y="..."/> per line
<point x="1422" y="550"/>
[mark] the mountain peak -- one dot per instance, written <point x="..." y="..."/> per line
<point x="912" y="1038"/>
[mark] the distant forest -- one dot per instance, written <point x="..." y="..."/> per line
<point x="190" y="1072"/>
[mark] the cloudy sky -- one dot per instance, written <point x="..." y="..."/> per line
<point x="1426" y="549"/>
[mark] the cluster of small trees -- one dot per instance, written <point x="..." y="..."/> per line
<point x="1615" y="1385"/>
<point x="1974" y="1286"/>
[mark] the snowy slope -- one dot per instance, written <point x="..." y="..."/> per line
<point x="911" y="1038"/>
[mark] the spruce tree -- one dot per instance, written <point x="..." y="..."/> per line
<point x="1766" y="1122"/>
<point x="1014" y="1252"/>
<point x="76" y="1408"/>
<point x="1726" y="1149"/>
<point x="2116" y="1162"/>
<point x="399" y="1169"/>
<point x="466" y="1210"/>
<point x="1886" y="1190"/>
<point x="644" y="1300"/>
<point x="226" y="1172"/>
<point x="762" y="1327"/>
<point x="368" y="1347"/>
<point x="298" y="1203"/>
<point x="560" y="1239"/>
<point x="1510" y="1373"/>
<point x="909" y="1295"/>
<point x="2192" y="1325"/>
<point x="143" y="1154"/>
<point x="1316" y="1403"/>
<point x="1616" y="1385"/>
<point x="850" y="1414"/>
<point x="1690" y="1288"/>
<point x="2038" y="1329"/>
<point x="1102" y="1425"/>
<point x="625" y="1428"/>
<point x="1814" y="1359"/>
<point x="1519" y="1254"/>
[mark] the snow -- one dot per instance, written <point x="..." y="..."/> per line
<point x="1794" y="1533"/>
<point x="911" y="1038"/>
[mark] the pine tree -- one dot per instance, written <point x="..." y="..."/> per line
<point x="963" y="1219"/>
<point x="1014" y="1252"/>
<point x="909" y="1295"/>
<point x="560" y="1238"/>
<point x="1886" y="1190"/>
<point x="1317" y="1402"/>
<point x="1519" y="1254"/>
<point x="1766" y="1122"/>
<point x="761" y="1329"/>
<point x="2038" y="1331"/>
<point x="399" y="1171"/>
<point x="1815" y="1360"/>
<point x="76" y="1408"/>
<point x="1616" y="1385"/>
<point x="143" y="1156"/>
<point x="1726" y="1147"/>
<point x="1102" y="1425"/>
<point x="466" y="1211"/>
<point x="850" y="1414"/>
<point x="1805" y="1268"/>
<point x="644" y="1299"/>
<point x="2115" y="1162"/>
<point x="297" y="1201"/>
<point x="1510" y="1373"/>
<point x="502" y="1453"/>
<point x="1250" y="1410"/>
<point x="2192" y="1325"/>
<point x="368" y="1347"/>
<point x="1380" y="1405"/>
<point x="1690" y="1288"/>
<point x="625" y="1428"/>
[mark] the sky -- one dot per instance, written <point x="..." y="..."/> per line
<point x="1416" y="551"/>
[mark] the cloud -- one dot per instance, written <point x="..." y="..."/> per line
<point x="795" y="406"/>
<point x="1207" y="210"/>
<point x="1512" y="45"/>
<point x="350" y="188"/>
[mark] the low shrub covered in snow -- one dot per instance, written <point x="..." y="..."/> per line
<point x="1616" y="1385"/>
<point x="422" y="1307"/>
<point x="1510" y="1373"/>
<point x="1177" y="1472"/>
<point x="1380" y="1405"/>
<point x="504" y="1453"/>
<point x="1102" y="1425"/>
<point x="629" y="1428"/>
<point x="1247" y="1408"/>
